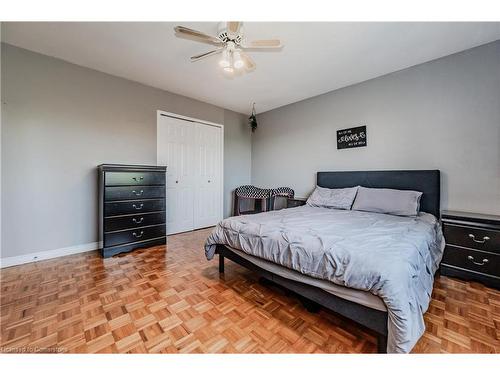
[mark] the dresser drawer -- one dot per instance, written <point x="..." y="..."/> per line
<point x="121" y="193"/>
<point x="133" y="207"/>
<point x="133" y="221"/>
<point x="475" y="238"/>
<point x="472" y="260"/>
<point x="133" y="235"/>
<point x="134" y="178"/>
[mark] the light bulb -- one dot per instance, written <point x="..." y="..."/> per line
<point x="228" y="69"/>
<point x="225" y="62"/>
<point x="238" y="62"/>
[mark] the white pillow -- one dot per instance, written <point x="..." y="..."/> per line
<point x="332" y="198"/>
<point x="388" y="201"/>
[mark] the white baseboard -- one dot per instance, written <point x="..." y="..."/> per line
<point x="48" y="254"/>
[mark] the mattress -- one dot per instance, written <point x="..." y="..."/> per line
<point x="358" y="296"/>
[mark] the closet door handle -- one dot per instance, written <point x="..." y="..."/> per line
<point x="138" y="235"/>
<point x="137" y="194"/>
<point x="485" y="238"/>
<point x="137" y="179"/>
<point x="176" y="181"/>
<point x="138" y="221"/>
<point x="138" y="208"/>
<point x="209" y="181"/>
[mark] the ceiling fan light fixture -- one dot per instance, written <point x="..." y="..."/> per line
<point x="238" y="62"/>
<point x="225" y="62"/>
<point x="231" y="43"/>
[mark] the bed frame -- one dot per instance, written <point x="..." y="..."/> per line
<point x="426" y="181"/>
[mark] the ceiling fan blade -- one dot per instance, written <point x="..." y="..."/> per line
<point x="233" y="27"/>
<point x="201" y="37"/>
<point x="249" y="63"/>
<point x="206" y="54"/>
<point x="265" y="43"/>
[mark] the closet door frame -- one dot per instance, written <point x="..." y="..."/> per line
<point x="160" y="113"/>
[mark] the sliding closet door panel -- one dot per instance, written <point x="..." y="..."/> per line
<point x="208" y="175"/>
<point x="192" y="153"/>
<point x="176" y="151"/>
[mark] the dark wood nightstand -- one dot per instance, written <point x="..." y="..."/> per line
<point x="295" y="202"/>
<point x="472" y="247"/>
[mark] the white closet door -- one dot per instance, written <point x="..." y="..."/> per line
<point x="175" y="150"/>
<point x="208" y="175"/>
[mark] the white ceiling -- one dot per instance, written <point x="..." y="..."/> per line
<point x="316" y="58"/>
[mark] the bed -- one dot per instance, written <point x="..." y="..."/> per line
<point x="375" y="269"/>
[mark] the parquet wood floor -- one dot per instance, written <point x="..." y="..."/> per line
<point x="172" y="300"/>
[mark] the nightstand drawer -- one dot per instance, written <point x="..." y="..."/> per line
<point x="474" y="238"/>
<point x="477" y="261"/>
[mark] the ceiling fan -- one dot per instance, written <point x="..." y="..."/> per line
<point x="231" y="43"/>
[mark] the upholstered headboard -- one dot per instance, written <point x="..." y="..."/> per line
<point x="426" y="181"/>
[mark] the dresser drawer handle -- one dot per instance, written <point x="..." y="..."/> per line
<point x="137" y="194"/>
<point x="138" y="221"/>
<point x="485" y="238"/>
<point x="137" y="179"/>
<point x="482" y="263"/>
<point x="138" y="208"/>
<point x="138" y="235"/>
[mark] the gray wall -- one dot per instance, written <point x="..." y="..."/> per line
<point x="237" y="156"/>
<point x="443" y="114"/>
<point x="59" y="121"/>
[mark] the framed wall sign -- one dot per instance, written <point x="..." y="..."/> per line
<point x="352" y="137"/>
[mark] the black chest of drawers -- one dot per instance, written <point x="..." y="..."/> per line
<point x="131" y="207"/>
<point x="472" y="247"/>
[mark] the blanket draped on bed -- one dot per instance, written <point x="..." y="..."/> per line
<point x="390" y="256"/>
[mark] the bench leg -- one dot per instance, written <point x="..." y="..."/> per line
<point x="382" y="344"/>
<point x="221" y="263"/>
